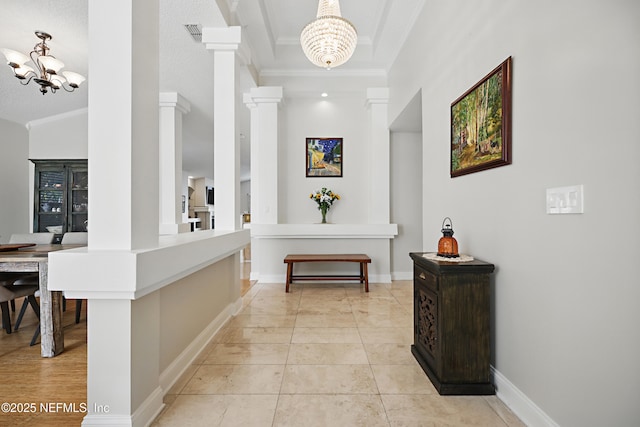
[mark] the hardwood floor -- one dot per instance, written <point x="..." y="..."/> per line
<point x="36" y="391"/>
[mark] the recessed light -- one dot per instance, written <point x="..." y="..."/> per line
<point x="324" y="94"/>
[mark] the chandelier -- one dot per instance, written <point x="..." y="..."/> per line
<point x="329" y="40"/>
<point x="47" y="73"/>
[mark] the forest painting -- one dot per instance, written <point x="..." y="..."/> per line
<point x="481" y="124"/>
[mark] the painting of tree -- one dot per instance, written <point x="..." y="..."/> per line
<point x="481" y="122"/>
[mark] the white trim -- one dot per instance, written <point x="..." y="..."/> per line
<point x="55" y="118"/>
<point x="519" y="403"/>
<point x="180" y="364"/>
<point x="324" y="231"/>
<point x="106" y="420"/>
<point x="174" y="100"/>
<point x="149" y="409"/>
<point x="321" y="73"/>
<point x="140" y="272"/>
<point x="281" y="278"/>
<point x="402" y="275"/>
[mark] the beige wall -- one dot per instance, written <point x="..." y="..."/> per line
<point x="190" y="305"/>
<point x="565" y="316"/>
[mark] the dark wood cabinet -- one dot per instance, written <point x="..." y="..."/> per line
<point x="451" y="325"/>
<point x="61" y="196"/>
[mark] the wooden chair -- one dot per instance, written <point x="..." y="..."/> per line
<point x="75" y="238"/>
<point x="10" y="293"/>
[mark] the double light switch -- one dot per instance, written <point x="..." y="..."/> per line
<point x="565" y="200"/>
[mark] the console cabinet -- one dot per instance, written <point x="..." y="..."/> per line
<point x="452" y="324"/>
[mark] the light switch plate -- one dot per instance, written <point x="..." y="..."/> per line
<point x="565" y="200"/>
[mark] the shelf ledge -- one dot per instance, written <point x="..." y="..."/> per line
<point x="324" y="231"/>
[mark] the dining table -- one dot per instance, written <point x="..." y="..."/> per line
<point x="30" y="258"/>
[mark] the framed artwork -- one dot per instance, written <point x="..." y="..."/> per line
<point x="324" y="157"/>
<point x="481" y="124"/>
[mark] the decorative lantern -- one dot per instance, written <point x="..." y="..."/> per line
<point x="447" y="245"/>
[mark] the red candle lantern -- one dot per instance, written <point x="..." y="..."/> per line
<point x="447" y="245"/>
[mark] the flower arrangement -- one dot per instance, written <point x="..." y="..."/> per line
<point x="324" y="198"/>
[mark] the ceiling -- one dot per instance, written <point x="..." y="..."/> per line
<point x="271" y="29"/>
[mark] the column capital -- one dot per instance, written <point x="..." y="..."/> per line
<point x="262" y="95"/>
<point x="218" y="38"/>
<point x="175" y="100"/>
<point x="377" y="95"/>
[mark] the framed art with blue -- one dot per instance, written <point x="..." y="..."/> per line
<point x="324" y="157"/>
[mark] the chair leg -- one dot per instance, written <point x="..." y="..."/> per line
<point x="35" y="336"/>
<point x="78" y="309"/>
<point x="36" y="308"/>
<point x="13" y="305"/>
<point x="6" y="319"/>
<point x="34" y="304"/>
<point x="23" y="310"/>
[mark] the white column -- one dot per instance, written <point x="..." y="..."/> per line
<point x="263" y="103"/>
<point x="172" y="107"/>
<point x="123" y="128"/>
<point x="226" y="158"/>
<point x="377" y="106"/>
<point x="123" y="125"/>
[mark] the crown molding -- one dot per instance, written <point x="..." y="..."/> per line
<point x="55" y="118"/>
<point x="320" y="73"/>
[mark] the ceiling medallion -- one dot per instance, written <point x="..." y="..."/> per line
<point x="329" y="40"/>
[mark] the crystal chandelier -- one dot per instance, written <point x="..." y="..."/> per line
<point x="329" y="40"/>
<point x="48" y="68"/>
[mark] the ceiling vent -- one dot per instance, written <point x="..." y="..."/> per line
<point x="195" y="30"/>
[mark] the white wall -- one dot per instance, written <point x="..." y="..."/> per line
<point x="303" y="115"/>
<point x="405" y="200"/>
<point x="566" y="291"/>
<point x="303" y="118"/>
<point x="14" y="167"/>
<point x="64" y="136"/>
<point x="60" y="137"/>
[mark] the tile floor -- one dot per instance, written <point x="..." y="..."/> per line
<point x="322" y="355"/>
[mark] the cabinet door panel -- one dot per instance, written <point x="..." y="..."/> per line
<point x="61" y="196"/>
<point x="426" y="322"/>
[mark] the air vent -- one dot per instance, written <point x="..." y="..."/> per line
<point x="195" y="30"/>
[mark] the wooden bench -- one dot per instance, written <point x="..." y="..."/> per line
<point x="362" y="259"/>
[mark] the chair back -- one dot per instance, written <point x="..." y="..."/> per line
<point x="37" y="238"/>
<point x="75" y="238"/>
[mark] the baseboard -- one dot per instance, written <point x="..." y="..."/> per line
<point x="236" y="307"/>
<point x="280" y="278"/>
<point x="101" y="420"/>
<point x="271" y="278"/>
<point x="174" y="371"/>
<point x="519" y="403"/>
<point x="149" y="410"/>
<point x="402" y="275"/>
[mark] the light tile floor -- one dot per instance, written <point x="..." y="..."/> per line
<point x="321" y="355"/>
